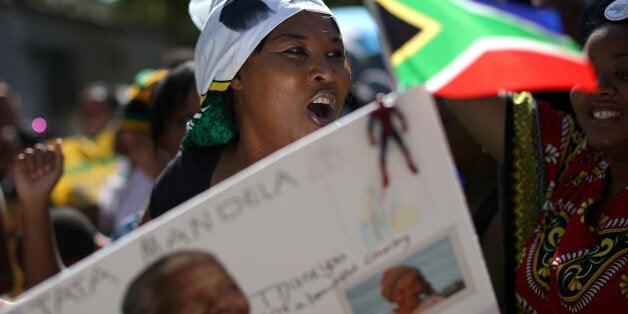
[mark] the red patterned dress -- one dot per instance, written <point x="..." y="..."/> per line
<point x="569" y="265"/>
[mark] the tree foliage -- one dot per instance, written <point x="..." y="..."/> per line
<point x="171" y="16"/>
<point x="167" y="17"/>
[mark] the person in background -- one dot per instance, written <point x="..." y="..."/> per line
<point x="288" y="77"/>
<point x="175" y="56"/>
<point x="13" y="139"/>
<point x="51" y="238"/>
<point x="126" y="192"/>
<point x="36" y="171"/>
<point x="174" y="103"/>
<point x="76" y="236"/>
<point x="571" y="218"/>
<point x="97" y="109"/>
<point x="90" y="157"/>
<point x="7" y="276"/>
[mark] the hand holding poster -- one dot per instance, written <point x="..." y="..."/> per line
<point x="310" y="229"/>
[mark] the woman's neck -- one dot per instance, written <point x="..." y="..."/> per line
<point x="236" y="156"/>
<point x="618" y="177"/>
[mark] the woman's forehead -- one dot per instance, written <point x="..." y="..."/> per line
<point x="306" y="20"/>
<point x="610" y="34"/>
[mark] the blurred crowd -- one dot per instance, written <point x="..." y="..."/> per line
<point x="109" y="169"/>
<point x="109" y="166"/>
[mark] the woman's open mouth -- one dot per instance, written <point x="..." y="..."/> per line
<point x="321" y="110"/>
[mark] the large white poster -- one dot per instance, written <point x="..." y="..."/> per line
<point x="310" y="229"/>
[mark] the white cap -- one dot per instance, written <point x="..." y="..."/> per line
<point x="232" y="29"/>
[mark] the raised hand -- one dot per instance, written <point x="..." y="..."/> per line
<point x="36" y="171"/>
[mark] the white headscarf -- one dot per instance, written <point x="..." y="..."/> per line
<point x="230" y="32"/>
<point x="232" y="29"/>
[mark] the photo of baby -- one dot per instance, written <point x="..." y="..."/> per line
<point x="185" y="282"/>
<point x="419" y="283"/>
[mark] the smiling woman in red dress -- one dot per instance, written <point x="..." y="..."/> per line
<point x="575" y="258"/>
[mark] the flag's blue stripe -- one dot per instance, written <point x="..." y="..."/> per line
<point x="546" y="18"/>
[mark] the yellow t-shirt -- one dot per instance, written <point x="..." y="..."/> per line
<point x="87" y="166"/>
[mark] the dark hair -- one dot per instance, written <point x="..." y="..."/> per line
<point x="169" y="97"/>
<point x="593" y="17"/>
<point x="74" y="233"/>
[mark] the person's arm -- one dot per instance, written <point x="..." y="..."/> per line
<point x="36" y="171"/>
<point x="7" y="278"/>
<point x="484" y="119"/>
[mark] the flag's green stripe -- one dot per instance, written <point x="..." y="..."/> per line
<point x="460" y="28"/>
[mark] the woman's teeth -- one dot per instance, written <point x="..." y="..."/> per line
<point x="605" y="114"/>
<point x="322" y="100"/>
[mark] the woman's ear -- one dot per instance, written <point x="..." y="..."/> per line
<point x="236" y="83"/>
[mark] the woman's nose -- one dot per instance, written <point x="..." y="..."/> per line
<point x="321" y="70"/>
<point x="605" y="87"/>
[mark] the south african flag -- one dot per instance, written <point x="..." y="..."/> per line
<point x="458" y="48"/>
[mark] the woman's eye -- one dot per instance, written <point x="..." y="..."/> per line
<point x="336" y="53"/>
<point x="622" y="74"/>
<point x="295" y="50"/>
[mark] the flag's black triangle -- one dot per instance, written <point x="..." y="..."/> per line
<point x="398" y="32"/>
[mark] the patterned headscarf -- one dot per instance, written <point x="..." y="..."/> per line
<point x="230" y="32"/>
<point x="137" y="110"/>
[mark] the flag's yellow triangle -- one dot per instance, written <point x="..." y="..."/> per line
<point x="428" y="26"/>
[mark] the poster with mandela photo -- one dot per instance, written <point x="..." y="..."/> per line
<point x="313" y="228"/>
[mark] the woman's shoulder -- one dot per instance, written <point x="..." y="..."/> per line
<point x="186" y="175"/>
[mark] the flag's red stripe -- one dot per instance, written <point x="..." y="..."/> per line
<point x="511" y="70"/>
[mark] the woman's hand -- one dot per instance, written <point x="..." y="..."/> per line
<point x="36" y="171"/>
